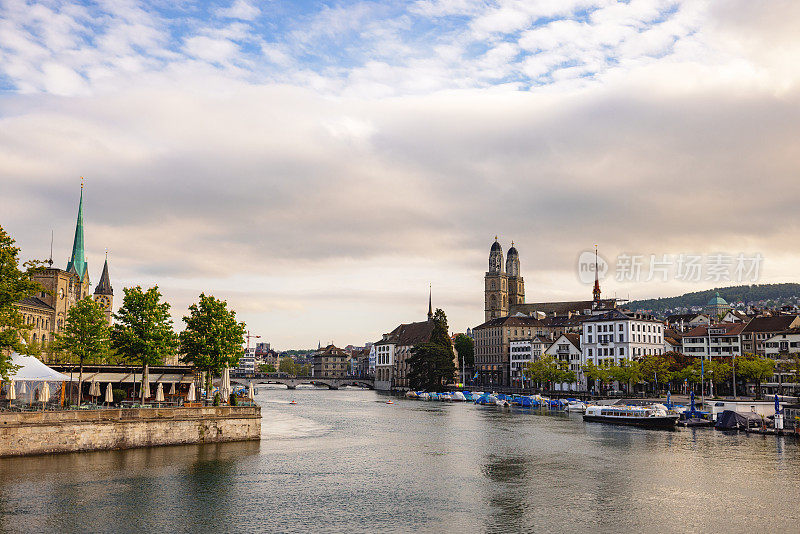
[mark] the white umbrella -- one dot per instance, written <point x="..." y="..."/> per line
<point x="160" y="393"/>
<point x="225" y="386"/>
<point x="172" y="389"/>
<point x="190" y="396"/>
<point x="94" y="389"/>
<point x="109" y="394"/>
<point x="44" y="392"/>
<point x="146" y="383"/>
<point x="11" y="394"/>
<point x="23" y="388"/>
<point x="250" y="392"/>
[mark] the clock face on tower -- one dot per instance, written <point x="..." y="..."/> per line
<point x="103" y="301"/>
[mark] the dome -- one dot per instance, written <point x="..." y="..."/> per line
<point x="496" y="246"/>
<point x="513" y="250"/>
<point x="717" y="301"/>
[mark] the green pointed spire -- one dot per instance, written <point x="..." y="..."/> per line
<point x="77" y="262"/>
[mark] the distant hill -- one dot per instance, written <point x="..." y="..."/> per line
<point x="759" y="295"/>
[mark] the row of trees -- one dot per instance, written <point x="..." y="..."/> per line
<point x="287" y="365"/>
<point x="143" y="332"/>
<point x="661" y="372"/>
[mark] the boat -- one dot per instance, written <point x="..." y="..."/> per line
<point x="644" y="416"/>
<point x="576" y="406"/>
<point x="389" y="402"/>
<point x="293" y="402"/>
<point x="411" y="395"/>
<point x="458" y="396"/>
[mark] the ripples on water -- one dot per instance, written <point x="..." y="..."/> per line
<point x="344" y="461"/>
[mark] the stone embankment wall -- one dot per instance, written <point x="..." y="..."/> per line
<point x="30" y="433"/>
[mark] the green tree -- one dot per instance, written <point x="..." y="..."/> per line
<point x="212" y="339"/>
<point x="627" y="372"/>
<point x="266" y="368"/>
<point x="756" y="368"/>
<point x="465" y="348"/>
<point x="15" y="285"/>
<point x="431" y="363"/>
<point x="85" y="336"/>
<point x="596" y="374"/>
<point x="548" y="370"/>
<point x="287" y="365"/>
<point x="142" y="333"/>
<point x="305" y="370"/>
<point x="654" y="369"/>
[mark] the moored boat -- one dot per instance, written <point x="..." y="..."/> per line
<point x="644" y="416"/>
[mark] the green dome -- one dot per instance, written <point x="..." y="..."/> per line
<point x="717" y="301"/>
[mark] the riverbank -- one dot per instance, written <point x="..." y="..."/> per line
<point x="48" y="432"/>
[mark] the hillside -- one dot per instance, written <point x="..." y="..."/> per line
<point x="759" y="295"/>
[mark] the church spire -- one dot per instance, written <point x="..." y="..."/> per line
<point x="104" y="286"/>
<point x="430" y="303"/>
<point x="77" y="262"/>
<point x="596" y="290"/>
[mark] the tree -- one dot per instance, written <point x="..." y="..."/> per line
<point x="548" y="370"/>
<point x="654" y="369"/>
<point x="212" y="339"/>
<point x="266" y="368"/>
<point x="85" y="336"/>
<point x="594" y="373"/>
<point x="431" y="363"/>
<point x="15" y="285"/>
<point x="465" y="348"/>
<point x="755" y="368"/>
<point x="288" y="366"/>
<point x="626" y="372"/>
<point x="142" y="333"/>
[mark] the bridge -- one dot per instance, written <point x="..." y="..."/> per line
<point x="294" y="381"/>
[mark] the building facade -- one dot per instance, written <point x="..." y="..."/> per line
<point x="330" y="362"/>
<point x="567" y="348"/>
<point x="721" y="339"/>
<point x="759" y="329"/>
<point x="613" y="336"/>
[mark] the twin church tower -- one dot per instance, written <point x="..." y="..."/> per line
<point x="503" y="288"/>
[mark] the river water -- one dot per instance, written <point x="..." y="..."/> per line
<point x="345" y="461"/>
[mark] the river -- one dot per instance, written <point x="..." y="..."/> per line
<point x="345" y="461"/>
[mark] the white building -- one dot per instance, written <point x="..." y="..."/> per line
<point x="786" y="342"/>
<point x="521" y="352"/>
<point x="247" y="362"/>
<point x="614" y="336"/>
<point x="723" y="339"/>
<point x="567" y="348"/>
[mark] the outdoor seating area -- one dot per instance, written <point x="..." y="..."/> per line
<point x="36" y="387"/>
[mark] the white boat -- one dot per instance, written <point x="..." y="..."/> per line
<point x="576" y="406"/>
<point x="458" y="396"/>
<point x="502" y="402"/>
<point x="645" y="416"/>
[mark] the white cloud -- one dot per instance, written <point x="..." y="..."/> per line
<point x="240" y="9"/>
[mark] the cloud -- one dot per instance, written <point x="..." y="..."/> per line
<point x="240" y="9"/>
<point x="322" y="198"/>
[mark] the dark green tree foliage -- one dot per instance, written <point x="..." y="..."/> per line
<point x="142" y="333"/>
<point x="431" y="363"/>
<point x="15" y="285"/>
<point x="465" y="348"/>
<point x="749" y="293"/>
<point x="85" y="336"/>
<point x="212" y="339"/>
<point x="549" y="370"/>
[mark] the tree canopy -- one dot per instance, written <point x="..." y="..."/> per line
<point x="143" y="331"/>
<point x="15" y="285"/>
<point x="465" y="348"/>
<point x="212" y="339"/>
<point x="549" y="370"/>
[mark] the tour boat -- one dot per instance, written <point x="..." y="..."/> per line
<point x="646" y="416"/>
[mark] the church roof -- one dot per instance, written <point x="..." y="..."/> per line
<point x="104" y="286"/>
<point x="496" y="246"/>
<point x="77" y="261"/>
<point x="34" y="302"/>
<point x="716" y="300"/>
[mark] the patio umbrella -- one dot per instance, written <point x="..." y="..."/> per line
<point x="225" y="386"/>
<point x="23" y="389"/>
<point x="44" y="392"/>
<point x="250" y="392"/>
<point x="109" y="394"/>
<point x="11" y="394"/>
<point x="146" y="383"/>
<point x="190" y="396"/>
<point x="172" y="389"/>
<point x="94" y="389"/>
<point x="160" y="393"/>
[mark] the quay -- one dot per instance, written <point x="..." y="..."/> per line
<point x="61" y="431"/>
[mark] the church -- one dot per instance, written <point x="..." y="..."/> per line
<point x="46" y="312"/>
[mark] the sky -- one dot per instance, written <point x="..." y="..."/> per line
<point x="320" y="165"/>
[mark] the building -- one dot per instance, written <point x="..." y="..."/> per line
<point x="394" y="350"/>
<point x="503" y="288"/>
<point x="521" y="352"/>
<point x="567" y="348"/>
<point x="684" y="322"/>
<point x="716" y="308"/>
<point x="721" y="339"/>
<point x="492" y="346"/>
<point x="782" y="343"/>
<point x="673" y="341"/>
<point x="247" y="361"/>
<point x="760" y="329"/>
<point x="613" y="336"/>
<point x="330" y="362"/>
<point x="47" y="311"/>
